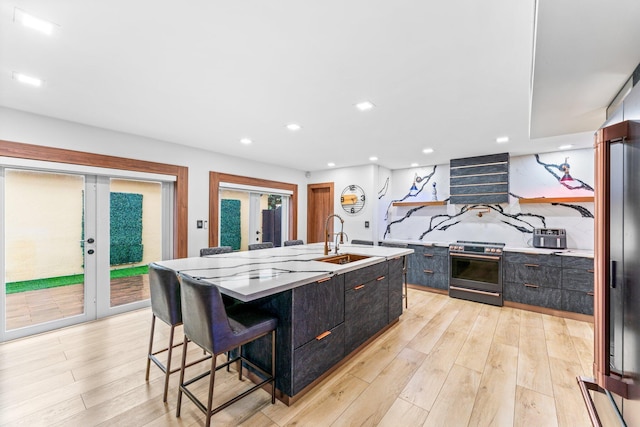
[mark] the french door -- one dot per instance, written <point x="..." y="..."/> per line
<point x="76" y="246"/>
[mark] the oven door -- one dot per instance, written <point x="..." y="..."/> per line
<point x="476" y="277"/>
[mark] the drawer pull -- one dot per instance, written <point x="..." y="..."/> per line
<point x="324" y="280"/>
<point x="531" y="285"/>
<point x="428" y="271"/>
<point x="590" y="271"/>
<point x="359" y="287"/>
<point x="474" y="291"/>
<point x="590" y="293"/>
<point x="323" y="335"/>
<point x="380" y="278"/>
<point x="428" y="255"/>
<point x="532" y="265"/>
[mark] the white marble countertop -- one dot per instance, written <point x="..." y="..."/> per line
<point x="249" y="275"/>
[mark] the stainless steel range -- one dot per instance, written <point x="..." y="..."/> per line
<point x="475" y="271"/>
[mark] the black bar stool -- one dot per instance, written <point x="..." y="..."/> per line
<point x="293" y="242"/>
<point x="216" y="250"/>
<point x="164" y="288"/>
<point x="263" y="245"/>
<point x="218" y="331"/>
<point x="362" y="242"/>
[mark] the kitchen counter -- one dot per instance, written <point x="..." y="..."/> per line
<point x="326" y="312"/>
<point x="250" y="275"/>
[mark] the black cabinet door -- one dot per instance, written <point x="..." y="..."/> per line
<point x="317" y="307"/>
<point x="366" y="311"/>
<point x="316" y="357"/>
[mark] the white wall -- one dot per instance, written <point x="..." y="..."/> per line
<point x="364" y="176"/>
<point x="28" y="128"/>
<point x="527" y="178"/>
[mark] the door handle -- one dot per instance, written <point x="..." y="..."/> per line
<point x="612" y="274"/>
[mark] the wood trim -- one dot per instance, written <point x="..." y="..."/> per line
<point x="59" y="155"/>
<point x="600" y="264"/>
<point x="585" y="199"/>
<point x="431" y="203"/>
<point x="215" y="178"/>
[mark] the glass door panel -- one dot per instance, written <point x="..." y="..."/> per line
<point x="44" y="246"/>
<point x="252" y="217"/>
<point x="135" y="238"/>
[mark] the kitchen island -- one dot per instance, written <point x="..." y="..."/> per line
<point x="326" y="310"/>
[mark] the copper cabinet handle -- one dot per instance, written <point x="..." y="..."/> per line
<point x="359" y="287"/>
<point x="428" y="271"/>
<point x="428" y="255"/>
<point x="531" y="285"/>
<point x="590" y="271"/>
<point x="324" y="280"/>
<point x="380" y="278"/>
<point x="591" y="293"/>
<point x="532" y="265"/>
<point x="323" y="335"/>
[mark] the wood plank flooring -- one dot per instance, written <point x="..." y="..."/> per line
<point x="447" y="362"/>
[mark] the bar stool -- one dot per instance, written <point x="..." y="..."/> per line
<point x="217" y="331"/>
<point x="293" y="242"/>
<point x="405" y="262"/>
<point x="164" y="288"/>
<point x="263" y="245"/>
<point x="362" y="242"/>
<point x="216" y="250"/>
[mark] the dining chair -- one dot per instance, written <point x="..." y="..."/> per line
<point x="293" y="242"/>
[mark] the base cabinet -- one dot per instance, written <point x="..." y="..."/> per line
<point x="557" y="282"/>
<point x="429" y="266"/>
<point x="322" y="322"/>
<point x="365" y="312"/>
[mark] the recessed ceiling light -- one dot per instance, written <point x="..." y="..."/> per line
<point x="331" y="164"/>
<point x="502" y="139"/>
<point x="23" y="78"/>
<point x="364" y="105"/>
<point x="427" y="150"/>
<point x="373" y="158"/>
<point x="32" y="22"/>
<point x="413" y="165"/>
<point x="294" y="127"/>
<point x="246" y="141"/>
<point x="565" y="147"/>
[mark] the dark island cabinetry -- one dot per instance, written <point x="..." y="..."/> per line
<point x="366" y="304"/>
<point x="321" y="323"/>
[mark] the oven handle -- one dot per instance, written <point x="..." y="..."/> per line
<point x="475" y="291"/>
<point x="493" y="258"/>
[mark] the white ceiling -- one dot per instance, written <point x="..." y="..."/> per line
<point x="450" y="75"/>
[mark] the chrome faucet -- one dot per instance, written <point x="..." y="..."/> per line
<point x="326" y="233"/>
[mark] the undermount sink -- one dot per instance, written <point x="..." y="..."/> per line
<point x="342" y="258"/>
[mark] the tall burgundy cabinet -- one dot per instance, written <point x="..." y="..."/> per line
<point x="617" y="270"/>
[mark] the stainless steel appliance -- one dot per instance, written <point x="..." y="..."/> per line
<point x="475" y="271"/>
<point x="552" y="238"/>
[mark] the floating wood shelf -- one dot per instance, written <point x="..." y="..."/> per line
<point x="432" y="203"/>
<point x="556" y="200"/>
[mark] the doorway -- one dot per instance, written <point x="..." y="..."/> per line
<point x="319" y="207"/>
<point x="77" y="246"/>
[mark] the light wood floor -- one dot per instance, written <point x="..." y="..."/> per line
<point x="447" y="362"/>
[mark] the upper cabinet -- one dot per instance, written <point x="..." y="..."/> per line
<point x="481" y="179"/>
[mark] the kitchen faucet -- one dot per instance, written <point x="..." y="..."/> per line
<point x="326" y="233"/>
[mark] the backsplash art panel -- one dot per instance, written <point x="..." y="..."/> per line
<point x="532" y="176"/>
